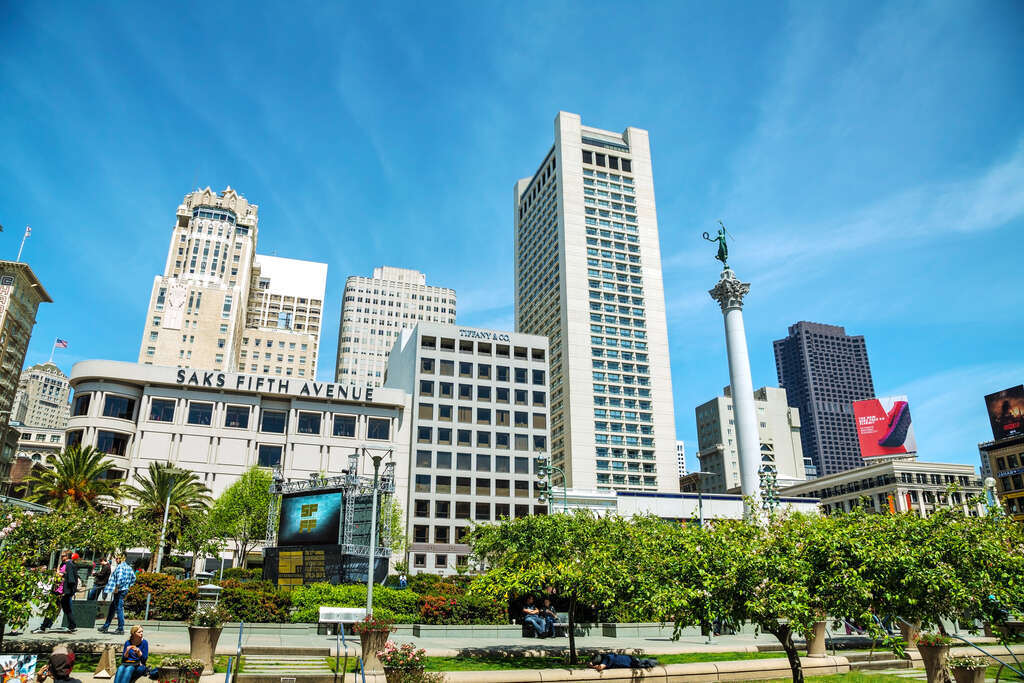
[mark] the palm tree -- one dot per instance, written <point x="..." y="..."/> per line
<point x="165" y="486"/>
<point x="79" y="478"/>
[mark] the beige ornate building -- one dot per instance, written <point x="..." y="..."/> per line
<point x="216" y="294"/>
<point x="42" y="398"/>
<point x="20" y="296"/>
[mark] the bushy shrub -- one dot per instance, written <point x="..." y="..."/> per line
<point x="402" y="604"/>
<point x="427" y="584"/>
<point x="244" y="575"/>
<point x="176" y="572"/>
<point x="472" y="609"/>
<point x="254" y="604"/>
<point x="437" y="609"/>
<point x="172" y="599"/>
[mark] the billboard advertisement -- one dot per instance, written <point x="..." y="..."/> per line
<point x="1006" y="412"/>
<point x="884" y="427"/>
<point x="310" y="518"/>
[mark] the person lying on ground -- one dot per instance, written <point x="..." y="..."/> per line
<point x="611" y="660"/>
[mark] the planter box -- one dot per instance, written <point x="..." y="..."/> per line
<point x="465" y="631"/>
<point x="635" y="630"/>
<point x="85" y="612"/>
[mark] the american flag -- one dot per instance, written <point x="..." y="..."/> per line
<point x="61" y="343"/>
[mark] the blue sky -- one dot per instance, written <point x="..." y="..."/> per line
<point x="869" y="159"/>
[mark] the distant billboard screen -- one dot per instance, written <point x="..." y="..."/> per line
<point x="1006" y="412"/>
<point x="884" y="426"/>
<point x="310" y="518"/>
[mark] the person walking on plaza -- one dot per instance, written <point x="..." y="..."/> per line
<point x="65" y="588"/>
<point x="122" y="578"/>
<point x="133" y="657"/>
<point x="99" y="579"/>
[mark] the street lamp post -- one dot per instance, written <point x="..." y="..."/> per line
<point x="373" y="535"/>
<point x="700" y="494"/>
<point x="990" y="490"/>
<point x="544" y="470"/>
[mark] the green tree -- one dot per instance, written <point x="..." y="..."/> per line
<point x="19" y="587"/>
<point x="165" y="487"/>
<point x="80" y="477"/>
<point x="581" y="556"/>
<point x="240" y="513"/>
<point x="200" y="537"/>
<point x="399" y="541"/>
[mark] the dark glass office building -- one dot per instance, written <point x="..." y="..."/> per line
<point x="824" y="370"/>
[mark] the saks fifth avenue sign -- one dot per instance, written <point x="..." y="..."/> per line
<point x="274" y="385"/>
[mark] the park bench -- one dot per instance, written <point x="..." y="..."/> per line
<point x="330" y="618"/>
<point x="561" y="627"/>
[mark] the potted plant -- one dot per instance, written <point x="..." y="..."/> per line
<point x="401" y="663"/>
<point x="204" y="632"/>
<point x="968" y="669"/>
<point x="175" y="669"/>
<point x="373" y="633"/>
<point x="934" y="649"/>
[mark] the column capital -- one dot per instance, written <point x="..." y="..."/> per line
<point x="729" y="291"/>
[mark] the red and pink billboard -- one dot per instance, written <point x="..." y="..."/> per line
<point x="884" y="427"/>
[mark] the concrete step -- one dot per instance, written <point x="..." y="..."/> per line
<point x="285" y="651"/>
<point x="866" y="656"/>
<point x="880" y="664"/>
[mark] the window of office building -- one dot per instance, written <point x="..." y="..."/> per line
<point x="112" y="443"/>
<point x="273" y="421"/>
<point x="236" y="417"/>
<point x="120" y="407"/>
<point x="344" y="425"/>
<point x="161" y="410"/>
<point x="200" y="413"/>
<point x="378" y="428"/>
<point x="81" y="404"/>
<point x="309" y="423"/>
<point x="269" y="455"/>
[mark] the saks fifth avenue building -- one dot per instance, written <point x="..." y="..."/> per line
<point x="219" y="424"/>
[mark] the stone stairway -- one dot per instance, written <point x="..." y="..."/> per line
<point x="277" y="663"/>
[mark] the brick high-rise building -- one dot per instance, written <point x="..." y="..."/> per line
<point x="824" y="370"/>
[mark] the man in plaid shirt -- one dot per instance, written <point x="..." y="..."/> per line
<point x="121" y="579"/>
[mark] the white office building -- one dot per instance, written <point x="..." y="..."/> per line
<point x="42" y="397"/>
<point x="375" y="310"/>
<point x="779" y="431"/>
<point x="479" y="421"/>
<point x="681" y="457"/>
<point x="588" y="277"/>
<point x="219" y="424"/>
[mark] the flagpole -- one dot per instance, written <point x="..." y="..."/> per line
<point x="53" y="350"/>
<point x="24" y="237"/>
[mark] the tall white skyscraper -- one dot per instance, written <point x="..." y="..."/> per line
<point x="588" y="276"/>
<point x="374" y="311"/>
<point x="681" y="457"/>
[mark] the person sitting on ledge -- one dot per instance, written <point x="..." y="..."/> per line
<point x="611" y="660"/>
<point x="532" y="616"/>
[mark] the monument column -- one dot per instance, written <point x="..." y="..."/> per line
<point x="729" y="293"/>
